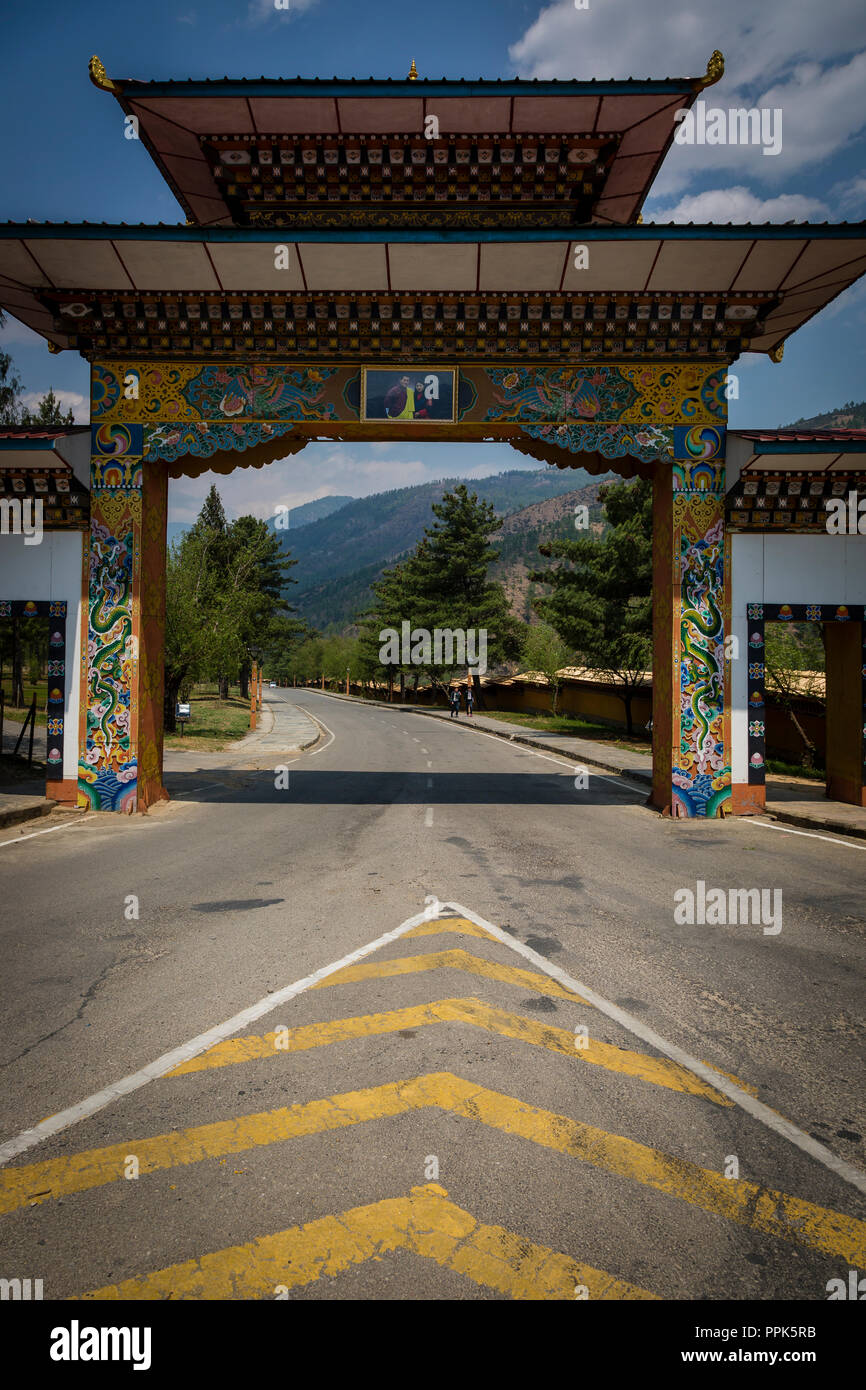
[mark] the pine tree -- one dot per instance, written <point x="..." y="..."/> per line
<point x="47" y="412"/>
<point x="601" y="599"/>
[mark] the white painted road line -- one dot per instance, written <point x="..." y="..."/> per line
<point x="428" y="817"/>
<point x="722" y="1083"/>
<point x="322" y="725"/>
<point x="50" y="831"/>
<point x="28" y="1138"/>
<point x="572" y="767"/>
<point x="810" y="834"/>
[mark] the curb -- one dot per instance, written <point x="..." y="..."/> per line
<point x="17" y="814"/>
<point x="831" y="827"/>
<point x="632" y="774"/>
<point x="238" y="746"/>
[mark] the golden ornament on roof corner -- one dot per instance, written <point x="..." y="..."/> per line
<point x="778" y="353"/>
<point x="639" y="218"/>
<point x="413" y="72"/>
<point x="98" y="76"/>
<point x="715" y="69"/>
<point x="52" y="347"/>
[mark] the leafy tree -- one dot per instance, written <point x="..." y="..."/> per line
<point x="224" y="601"/>
<point x="396" y="599"/>
<point x="10" y="386"/>
<point x="795" y="660"/>
<point x="545" y="651"/>
<point x="601" y="599"/>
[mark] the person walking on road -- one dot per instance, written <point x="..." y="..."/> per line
<point x="454" y="697"/>
<point x="470" y="699"/>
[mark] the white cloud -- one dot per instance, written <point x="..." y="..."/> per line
<point x="738" y="205"/>
<point x="657" y="38"/>
<point x="794" y="57"/>
<point x="79" y="405"/>
<point x="850" y="197"/>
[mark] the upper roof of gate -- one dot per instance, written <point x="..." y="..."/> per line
<point x="325" y="153"/>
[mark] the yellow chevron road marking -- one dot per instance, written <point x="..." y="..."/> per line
<point x="656" y="1070"/>
<point x="746" y="1203"/>
<point x="425" y="1223"/>
<point x="460" y="926"/>
<point x="455" y="960"/>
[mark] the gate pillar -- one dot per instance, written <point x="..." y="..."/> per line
<point x="120" y="763"/>
<point x="691" y="599"/>
<point x="846" y="730"/>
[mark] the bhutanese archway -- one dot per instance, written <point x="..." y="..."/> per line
<point x="334" y="230"/>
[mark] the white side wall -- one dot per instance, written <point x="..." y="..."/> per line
<point x="51" y="570"/>
<point x="784" y="569"/>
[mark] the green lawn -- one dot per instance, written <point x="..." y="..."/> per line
<point x="778" y="768"/>
<point x="576" y="727"/>
<point x="213" y="722"/>
<point x="31" y="688"/>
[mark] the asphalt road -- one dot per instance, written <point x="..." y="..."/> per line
<point x="444" y="1118"/>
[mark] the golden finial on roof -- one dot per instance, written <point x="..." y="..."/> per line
<point x="778" y="353"/>
<point x="639" y="218"/>
<point x="98" y="76"/>
<point x="52" y="347"/>
<point x="413" y="72"/>
<point x="715" y="69"/>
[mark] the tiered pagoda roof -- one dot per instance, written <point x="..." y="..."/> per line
<point x="463" y="246"/>
<point x="298" y="154"/>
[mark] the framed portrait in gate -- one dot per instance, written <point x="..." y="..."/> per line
<point x="409" y="393"/>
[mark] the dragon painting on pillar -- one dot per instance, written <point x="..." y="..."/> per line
<point x="701" y="772"/>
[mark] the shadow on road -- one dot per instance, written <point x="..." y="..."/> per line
<point x="372" y="788"/>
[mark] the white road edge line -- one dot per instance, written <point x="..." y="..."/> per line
<point x="810" y="834"/>
<point x="28" y="1138"/>
<point x="571" y="767"/>
<point x="322" y="725"/>
<point x="428" y="817"/>
<point x="50" y="831"/>
<point x="729" y="1088"/>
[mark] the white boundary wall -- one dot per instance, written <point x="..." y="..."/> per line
<point x="52" y="570"/>
<point x="784" y="569"/>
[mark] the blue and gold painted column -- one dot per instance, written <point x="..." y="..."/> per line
<point x="691" y="597"/>
<point x="120" y="762"/>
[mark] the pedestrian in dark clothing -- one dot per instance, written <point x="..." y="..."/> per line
<point x="470" y="699"/>
<point x="454" y="696"/>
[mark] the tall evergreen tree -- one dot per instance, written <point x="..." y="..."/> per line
<point x="601" y="599"/>
<point x="224" y="601"/>
<point x="444" y="584"/>
<point x="47" y="412"/>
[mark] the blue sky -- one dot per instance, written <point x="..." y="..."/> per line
<point x="64" y="155"/>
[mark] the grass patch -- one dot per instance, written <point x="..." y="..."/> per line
<point x="213" y="723"/>
<point x="575" y="726"/>
<point x="778" y="768"/>
<point x="17" y="715"/>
